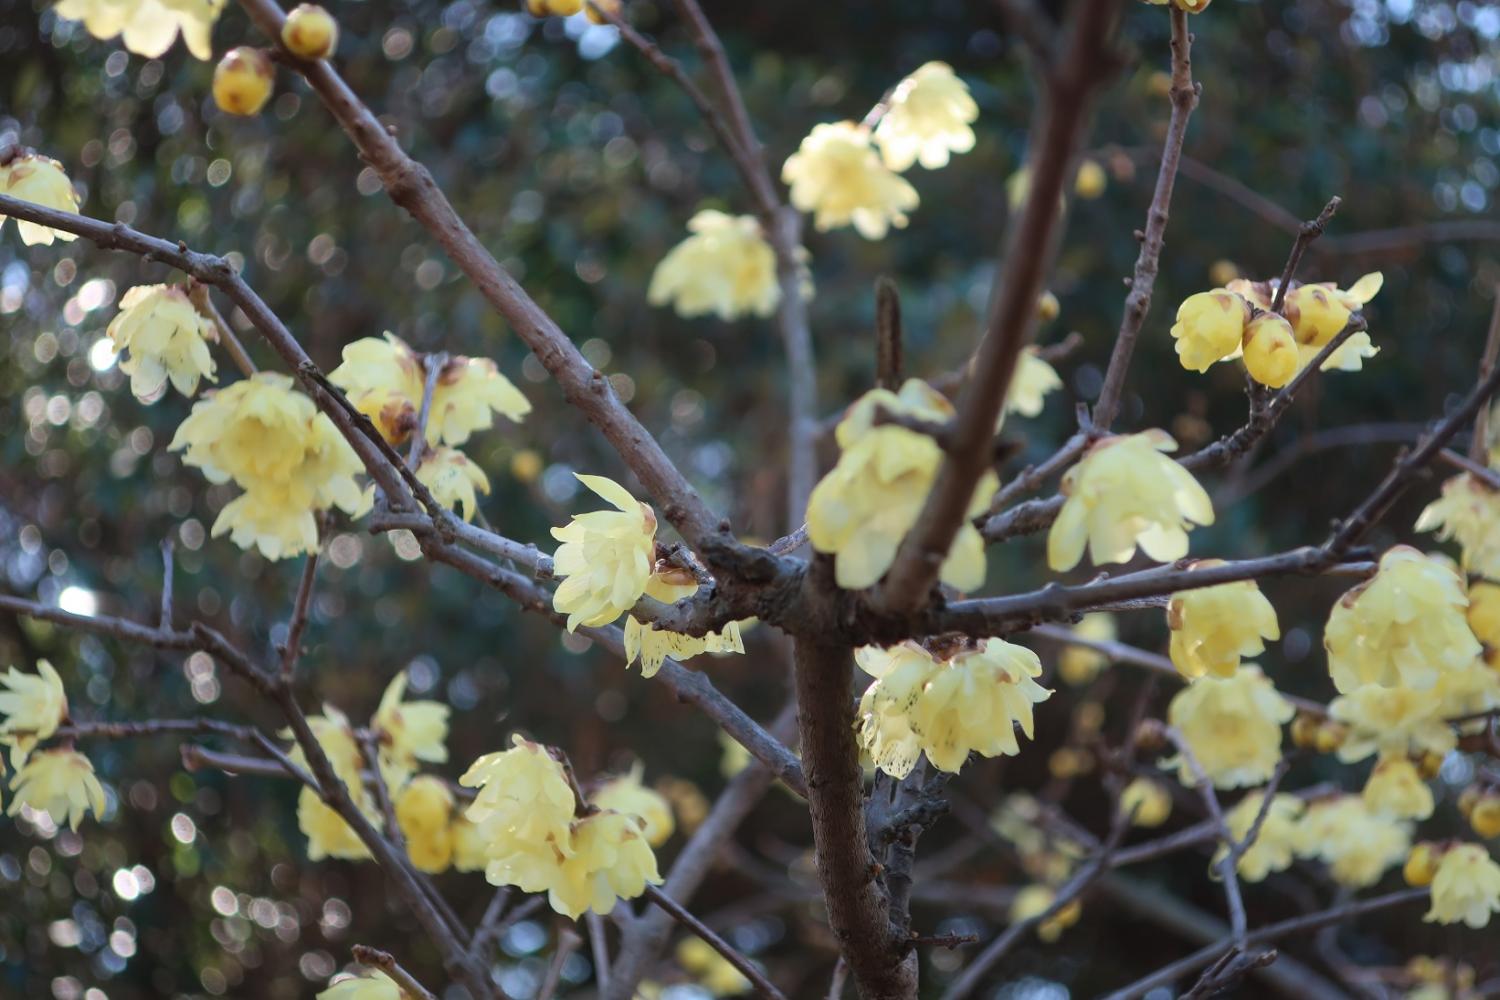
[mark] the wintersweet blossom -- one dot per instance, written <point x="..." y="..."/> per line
<point x="1274" y="844"/>
<point x="1466" y="888"/>
<point x="455" y="481"/>
<point x="524" y="811"/>
<point x="1358" y="844"/>
<point x="1483" y="616"/>
<point x="470" y="848"/>
<point x="1078" y="664"/>
<point x="611" y="860"/>
<point x="1404" y="626"/>
<point x="1029" y="386"/>
<point x="1147" y="801"/>
<point x="1319" y="312"/>
<point x="928" y="118"/>
<point x="1209" y="328"/>
<point x="162" y="337"/>
<point x="1034" y="900"/>
<point x="149" y="26"/>
<point x="670" y="584"/>
<point x="712" y="970"/>
<point x="424" y="807"/>
<point x="60" y="783"/>
<point x="837" y="176"/>
<point x="1270" y="350"/>
<point x="1233" y="727"/>
<point x="726" y="267"/>
<point x="605" y="558"/>
<point x="34" y="705"/>
<point x="375" y="986"/>
<point x="1391" y="721"/>
<point x="1468" y="512"/>
<point x="1395" y="788"/>
<point x="40" y="180"/>
<point x="1213" y="627"/>
<point x="1122" y="494"/>
<point x="627" y="794"/>
<point x="328" y="835"/>
<point x="862" y="509"/>
<point x="386" y="381"/>
<point x="558" y="8"/>
<point x="408" y="731"/>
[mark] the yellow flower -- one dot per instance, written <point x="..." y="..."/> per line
<point x="1469" y="512"/>
<point x="1421" y="864"/>
<point x="1318" y="312"/>
<point x="244" y="80"/>
<point x="408" y="731"/>
<point x="376" y="986"/>
<point x="1122" y="494"/>
<point x="1391" y="721"/>
<point x="1213" y="627"/>
<point x="967" y="703"/>
<point x="1404" y="626"/>
<point x="862" y="509"/>
<point x="34" y="706"/>
<point x="470" y="850"/>
<point x="610" y="861"/>
<point x="626" y="794"/>
<point x="1233" y="726"/>
<point x="386" y="381"/>
<point x="559" y="8"/>
<point x="836" y="175"/>
<point x="336" y="737"/>
<point x="1271" y="355"/>
<point x="423" y="809"/>
<point x="524" y="810"/>
<point x="726" y="268"/>
<point x="606" y="557"/>
<point x="1466" y="888"/>
<point x="1483" y="617"/>
<point x="1396" y="789"/>
<point x="1149" y="799"/>
<point x="1357" y="843"/>
<point x="1274" y="844"/>
<point x="60" y="783"/>
<point x="149" y="26"/>
<point x="328" y="836"/>
<point x="928" y="118"/>
<point x="1078" y="665"/>
<point x="163" y="337"/>
<point x="1209" y="328"/>
<point x="1091" y="180"/>
<point x="1484" y="817"/>
<point x="669" y="584"/>
<point x="40" y="180"/>
<point x="733" y="757"/>
<point x="712" y="970"/>
<point x="310" y="32"/>
<point x="1033" y="901"/>
<point x="1033" y="380"/>
<point x="688" y="802"/>
<point x="453" y="480"/>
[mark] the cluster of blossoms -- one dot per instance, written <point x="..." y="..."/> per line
<point x="726" y="268"/>
<point x="58" y="781"/>
<point x="1236" y="321"/>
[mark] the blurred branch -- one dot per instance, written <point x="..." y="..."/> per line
<point x="291" y="649"/>
<point x="747" y="968"/>
<point x="1227" y="866"/>
<point x="1479" y="442"/>
<point x="203" y="302"/>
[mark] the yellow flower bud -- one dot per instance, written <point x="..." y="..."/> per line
<point x="1210" y="325"/>
<point x="1270" y="350"/>
<point x="1429" y="764"/>
<point x="1222" y="272"/>
<point x="609" y="6"/>
<point x="1316" y="313"/>
<point x="1485" y="817"/>
<point x="1329" y="738"/>
<point x="1150" y="800"/>
<point x="1421" y="865"/>
<point x="1047" y="307"/>
<point x="1159" y="83"/>
<point x="1091" y="180"/>
<point x="310" y="32"/>
<point x="243" y="81"/>
<point x="1305" y="731"/>
<point x="526" y="465"/>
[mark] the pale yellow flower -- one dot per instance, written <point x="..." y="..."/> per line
<point x="376" y="986"/>
<point x="455" y="481"/>
<point x="34" y="705"/>
<point x="162" y="337"/>
<point x="726" y="268"/>
<point x="606" y="557"/>
<point x="149" y="26"/>
<point x="1468" y="512"/>
<point x="1274" y="845"/>
<point x="60" y="783"/>
<point x="386" y="381"/>
<point x="862" y="509"/>
<point x="611" y="860"/>
<point x="927" y="119"/>
<point x="1404" y="626"/>
<point x="1029" y="386"/>
<point x="1078" y="665"/>
<point x="1270" y="350"/>
<point x="423" y="809"/>
<point x="1122" y="494"/>
<point x="335" y="735"/>
<point x="328" y="836"/>
<point x="40" y="180"/>
<point x="558" y="8"/>
<point x="1358" y="844"/>
<point x="712" y="970"/>
<point x="1149" y="800"/>
<point x="1466" y="888"/>
<point x="1214" y="627"/>
<point x="1391" y="721"/>
<point x="670" y="584"/>
<point x="1034" y="900"/>
<point x="733" y="757"/>
<point x="884" y="726"/>
<point x="1209" y="328"/>
<point x="470" y="849"/>
<point x="1233" y="726"/>
<point x="1483" y="616"/>
<point x="1396" y="789"/>
<point x="626" y="794"/>
<point x="524" y="810"/>
<point x="408" y="731"/>
<point x="1318" y="312"/>
<point x="836" y="175"/>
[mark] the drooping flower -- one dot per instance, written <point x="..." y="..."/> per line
<point x="1396" y="789"/>
<point x="408" y="732"/>
<point x="928" y="118"/>
<point x="455" y="481"/>
<point x="424" y="807"/>
<point x="163" y="337"/>
<point x="149" y="26"/>
<point x="862" y="509"/>
<point x="1209" y="328"/>
<point x="1270" y="350"/>
<point x="1358" y="844"/>
<point x="1214" y="627"/>
<point x="1033" y="380"/>
<point x="1404" y="626"/>
<point x="611" y="860"/>
<point x="726" y="268"/>
<point x="1078" y="664"/>
<point x="1466" y="888"/>
<point x="606" y="557"/>
<point x="470" y="849"/>
<point x="1468" y="512"/>
<point x="626" y="794"/>
<point x="1391" y="721"/>
<point x="40" y="180"/>
<point x="1483" y="616"/>
<point x="712" y="970"/>
<point x="1233" y="726"/>
<point x="1149" y="800"/>
<point x="60" y="783"/>
<point x="669" y="584"/>
<point x="386" y="381"/>
<point x="1122" y="494"/>
<point x="376" y="986"/>
<point x="1034" y="900"/>
<point x="1319" y="312"/>
<point x="885" y="731"/>
<point x="837" y="176"/>
<point x="328" y="835"/>
<point x="524" y="811"/>
<point x="1274" y="844"/>
<point x="34" y="705"/>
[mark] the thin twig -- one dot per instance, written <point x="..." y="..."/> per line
<point x="386" y="962"/>
<point x="1309" y="232"/>
<point x="747" y="968"/>
<point x="1483" y="473"/>
<point x="568" y="941"/>
<point x="599" y="948"/>
<point x="888" y="335"/>
<point x="291" y="649"/>
<point x="1227" y="866"/>
<point x="199" y="295"/>
<point x="1480" y="442"/>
